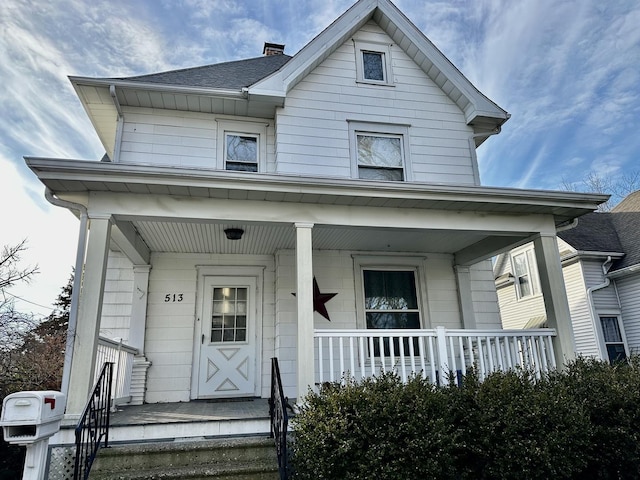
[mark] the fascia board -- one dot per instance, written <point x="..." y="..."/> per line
<point x="65" y="169"/>
<point x="157" y="87"/>
<point x="481" y="105"/>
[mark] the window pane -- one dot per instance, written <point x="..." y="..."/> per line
<point x="520" y="264"/>
<point x="524" y="285"/>
<point x="611" y="329"/>
<point x="379" y="151"/>
<point x="242" y="149"/>
<point x="242" y="167"/>
<point x="372" y="63"/>
<point x="391" y="174"/>
<point x="386" y="320"/>
<point x="390" y="290"/>
<point x="616" y="352"/>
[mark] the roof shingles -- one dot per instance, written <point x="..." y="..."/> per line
<point x="229" y="75"/>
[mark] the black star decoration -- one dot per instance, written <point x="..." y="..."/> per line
<point x="320" y="299"/>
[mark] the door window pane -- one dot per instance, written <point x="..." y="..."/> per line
<point x="229" y="318"/>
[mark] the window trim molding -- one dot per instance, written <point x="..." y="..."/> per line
<point x="235" y="127"/>
<point x="532" y="271"/>
<point x="383" y="48"/>
<point x="372" y="128"/>
<point x="391" y="263"/>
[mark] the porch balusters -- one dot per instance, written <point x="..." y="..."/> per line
<point x="433" y="354"/>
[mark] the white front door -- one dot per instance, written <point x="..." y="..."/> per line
<point x="227" y="360"/>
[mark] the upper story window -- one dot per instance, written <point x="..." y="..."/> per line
<point x="241" y="146"/>
<point x="380" y="157"/>
<point x="241" y="152"/>
<point x="525" y="273"/>
<point x="373" y="63"/>
<point x="379" y="151"/>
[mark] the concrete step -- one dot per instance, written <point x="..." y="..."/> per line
<point x="237" y="458"/>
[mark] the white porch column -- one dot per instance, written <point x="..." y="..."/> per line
<point x="555" y="296"/>
<point x="463" y="278"/>
<point x="304" y="298"/>
<point x="89" y="312"/>
<point x="139" y="306"/>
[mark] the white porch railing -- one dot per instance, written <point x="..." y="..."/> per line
<point x="363" y="353"/>
<point x="122" y="357"/>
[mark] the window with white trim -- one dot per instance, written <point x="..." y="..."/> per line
<point x="389" y="296"/>
<point x="241" y="146"/>
<point x="379" y="151"/>
<point x="525" y="273"/>
<point x="373" y="63"/>
<point x="613" y="338"/>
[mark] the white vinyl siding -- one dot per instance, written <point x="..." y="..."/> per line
<point x="186" y="139"/>
<point x="313" y="135"/>
<point x="628" y="288"/>
<point x="116" y="306"/>
<point x="169" y="337"/>
<point x="582" y="321"/>
<point x="483" y="294"/>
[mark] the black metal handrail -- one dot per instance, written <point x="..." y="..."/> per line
<point x="278" y="405"/>
<point x="93" y="426"/>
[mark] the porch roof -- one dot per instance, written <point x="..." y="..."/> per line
<point x="78" y="176"/>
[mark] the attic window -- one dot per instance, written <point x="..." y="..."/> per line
<point x="373" y="63"/>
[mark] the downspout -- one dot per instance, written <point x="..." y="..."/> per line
<point x="592" y="308"/>
<point x="77" y="282"/>
<point x="474" y="156"/>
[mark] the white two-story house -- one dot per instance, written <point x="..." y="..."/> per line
<point x="323" y="208"/>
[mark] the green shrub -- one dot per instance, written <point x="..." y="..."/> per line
<point x="583" y="422"/>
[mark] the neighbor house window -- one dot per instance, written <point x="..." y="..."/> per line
<point x="613" y="339"/>
<point x="241" y="152"/>
<point x="373" y="63"/>
<point x="379" y="151"/>
<point x="525" y="273"/>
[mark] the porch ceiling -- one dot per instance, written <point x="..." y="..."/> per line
<point x="263" y="239"/>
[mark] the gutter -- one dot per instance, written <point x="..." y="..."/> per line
<point x="625" y="271"/>
<point x="77" y="282"/>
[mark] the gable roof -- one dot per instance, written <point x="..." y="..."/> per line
<point x="480" y="112"/>
<point x="228" y="75"/>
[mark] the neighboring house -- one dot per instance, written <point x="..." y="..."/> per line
<point x="346" y="175"/>
<point x="601" y="269"/>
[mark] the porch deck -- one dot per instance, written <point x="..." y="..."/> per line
<point x="194" y="420"/>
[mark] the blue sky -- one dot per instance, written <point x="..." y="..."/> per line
<point x="568" y="72"/>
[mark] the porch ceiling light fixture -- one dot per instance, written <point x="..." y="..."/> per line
<point x="234" y="233"/>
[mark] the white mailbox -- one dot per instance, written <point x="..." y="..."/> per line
<point x="28" y="417"/>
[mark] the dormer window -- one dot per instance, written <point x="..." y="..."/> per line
<point x="373" y="63"/>
<point x="241" y="152"/>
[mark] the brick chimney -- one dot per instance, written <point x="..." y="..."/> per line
<point x="272" y="49"/>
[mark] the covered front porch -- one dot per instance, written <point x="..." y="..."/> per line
<point x="158" y="254"/>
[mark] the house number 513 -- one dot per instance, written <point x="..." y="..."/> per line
<point x="173" y="297"/>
